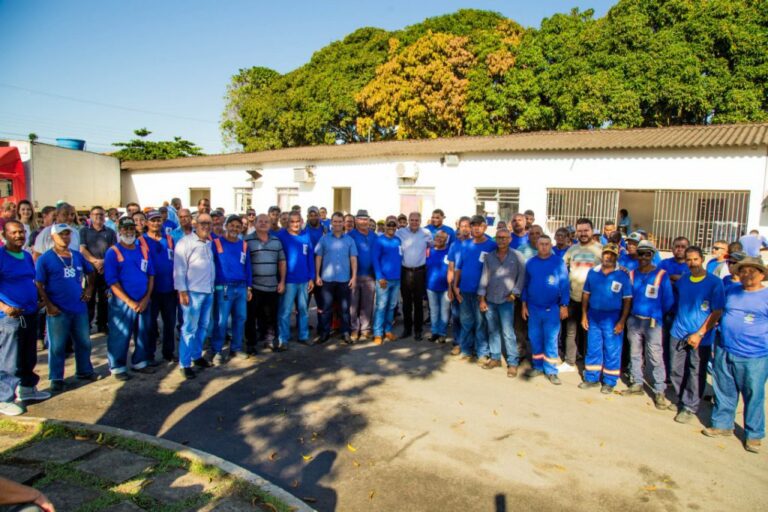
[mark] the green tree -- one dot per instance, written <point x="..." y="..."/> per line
<point x="142" y="149"/>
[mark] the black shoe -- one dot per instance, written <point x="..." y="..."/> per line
<point x="153" y="363"/>
<point x="441" y="339"/>
<point x="188" y="373"/>
<point x="320" y="339"/>
<point x="202" y="363"/>
<point x="91" y="378"/>
<point x="606" y="389"/>
<point x="57" y="386"/>
<point x="122" y="376"/>
<point x="280" y="347"/>
<point x="531" y="373"/>
<point x="347" y="339"/>
<point x="588" y="385"/>
<point x="146" y="370"/>
<point x="418" y="336"/>
<point x="406" y="335"/>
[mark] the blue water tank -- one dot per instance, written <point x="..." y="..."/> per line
<point x="76" y="144"/>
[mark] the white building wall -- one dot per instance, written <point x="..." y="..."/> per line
<point x="376" y="187"/>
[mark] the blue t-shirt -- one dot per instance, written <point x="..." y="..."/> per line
<point x="299" y="257"/>
<point x="559" y="252"/>
<point x="315" y="234"/>
<point x="364" y="245"/>
<point x="628" y="262"/>
<point x="728" y="282"/>
<point x="517" y="241"/>
<point x="744" y="326"/>
<point x="607" y="292"/>
<point x="674" y="268"/>
<point x="387" y="258"/>
<point x="652" y="294"/>
<point x="454" y="252"/>
<point x="546" y="282"/>
<point x="62" y="279"/>
<point x="169" y="226"/>
<point x="751" y="244"/>
<point x="437" y="270"/>
<point x="446" y="229"/>
<point x="695" y="303"/>
<point x="712" y="265"/>
<point x="232" y="261"/>
<point x="471" y="263"/>
<point x="17" y="282"/>
<point x="132" y="273"/>
<point x="336" y="252"/>
<point x="161" y="254"/>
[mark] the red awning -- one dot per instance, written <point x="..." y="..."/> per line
<point x="12" y="169"/>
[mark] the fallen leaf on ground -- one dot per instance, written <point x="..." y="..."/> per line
<point x="307" y="457"/>
<point x="402" y="436"/>
<point x="649" y="488"/>
<point x="273" y="456"/>
<point x="309" y="499"/>
<point x="269" y="506"/>
<point x="521" y="454"/>
<point x="371" y="495"/>
<point x="351" y="448"/>
<point x="602" y="443"/>
<point x="495" y="413"/>
<point x="357" y="464"/>
<point x="100" y="439"/>
<point x="461" y="403"/>
<point x="295" y="484"/>
<point x="300" y="440"/>
<point x="81" y="438"/>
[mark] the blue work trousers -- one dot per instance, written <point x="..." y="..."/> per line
<point x="384" y="313"/>
<point x="543" y="332"/>
<point x="645" y="333"/>
<point x="60" y="328"/>
<point x="745" y="376"/>
<point x="295" y="293"/>
<point x="439" y="311"/>
<point x="9" y="342"/>
<point x="603" y="348"/>
<point x="163" y="304"/>
<point x="474" y="327"/>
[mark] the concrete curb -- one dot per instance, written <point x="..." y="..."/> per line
<point x="188" y="453"/>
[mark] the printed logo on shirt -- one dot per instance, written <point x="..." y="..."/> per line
<point x="168" y="230"/>
<point x="69" y="272"/>
<point x="551" y="280"/>
<point x="144" y="265"/>
<point x="170" y="254"/>
<point x="483" y="255"/>
<point x="445" y="259"/>
<point x="305" y="249"/>
<point x="615" y="287"/>
<point x="652" y="292"/>
<point x="705" y="305"/>
<point x="749" y="319"/>
<point x="400" y="250"/>
<point x="242" y="258"/>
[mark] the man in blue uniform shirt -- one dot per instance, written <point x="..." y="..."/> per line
<point x="164" y="303"/>
<point x="387" y="264"/>
<point x="436" y="224"/>
<point x="299" y="282"/>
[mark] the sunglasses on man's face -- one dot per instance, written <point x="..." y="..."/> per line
<point x="645" y="254"/>
<point x="392" y="225"/>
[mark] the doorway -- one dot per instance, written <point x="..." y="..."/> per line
<point x="196" y="194"/>
<point x="342" y="199"/>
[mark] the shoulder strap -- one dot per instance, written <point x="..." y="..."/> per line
<point x="219" y="248"/>
<point x="119" y="254"/>
<point x="659" y="277"/>
<point x="245" y="246"/>
<point x="144" y="248"/>
<point x="632" y="276"/>
<point x="169" y="239"/>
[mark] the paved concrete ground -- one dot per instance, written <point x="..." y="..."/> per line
<point x="405" y="426"/>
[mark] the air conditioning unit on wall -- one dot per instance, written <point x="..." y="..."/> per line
<point x="407" y="171"/>
<point x="304" y="174"/>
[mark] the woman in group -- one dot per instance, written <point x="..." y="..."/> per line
<point x="26" y="214"/>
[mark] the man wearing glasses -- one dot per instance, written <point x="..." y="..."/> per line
<point x="250" y="218"/>
<point x="94" y="242"/>
<point x="719" y="255"/>
<point x="652" y="298"/>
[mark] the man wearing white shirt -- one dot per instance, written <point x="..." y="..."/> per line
<point x="415" y="241"/>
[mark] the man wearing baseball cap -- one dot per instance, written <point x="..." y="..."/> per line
<point x="605" y="304"/>
<point x="130" y="275"/>
<point x="652" y="298"/>
<point x="59" y="278"/>
<point x="741" y="357"/>
<point x="159" y="245"/>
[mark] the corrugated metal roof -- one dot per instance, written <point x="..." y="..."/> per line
<point x="674" y="137"/>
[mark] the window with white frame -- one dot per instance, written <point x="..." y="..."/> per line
<point x="243" y="198"/>
<point x="287" y="197"/>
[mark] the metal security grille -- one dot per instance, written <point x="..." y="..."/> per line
<point x="700" y="216"/>
<point x="566" y="205"/>
<point x="508" y="200"/>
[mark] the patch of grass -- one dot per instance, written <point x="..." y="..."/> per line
<point x="253" y="494"/>
<point x="13" y="427"/>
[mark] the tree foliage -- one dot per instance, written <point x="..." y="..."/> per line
<point x="142" y="149"/>
<point x="645" y="63"/>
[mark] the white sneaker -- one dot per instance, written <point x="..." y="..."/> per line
<point x="31" y="393"/>
<point x="566" y="368"/>
<point x="11" y="409"/>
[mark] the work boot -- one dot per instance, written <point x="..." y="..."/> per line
<point x="354" y="337"/>
<point x="390" y="336"/>
<point x="606" y="389"/>
<point x="554" y="379"/>
<point x="717" y="432"/>
<point x="753" y="445"/>
<point x="588" y="385"/>
<point x="660" y="401"/>
<point x="634" y="389"/>
<point x="532" y="372"/>
<point x="511" y="372"/>
<point x="188" y="373"/>
<point x="377" y="340"/>
<point x="456" y="350"/>
<point x="684" y="416"/>
<point x="490" y="364"/>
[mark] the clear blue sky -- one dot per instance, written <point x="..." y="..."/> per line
<point x="168" y="62"/>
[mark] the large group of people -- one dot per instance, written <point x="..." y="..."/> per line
<point x="198" y="289"/>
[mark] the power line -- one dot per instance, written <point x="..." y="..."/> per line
<point x="108" y="105"/>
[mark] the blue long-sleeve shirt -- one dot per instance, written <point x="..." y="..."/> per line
<point x="546" y="282"/>
<point x="364" y="245"/>
<point x="387" y="258"/>
<point x="233" y="262"/>
<point x="652" y="294"/>
<point x="299" y="257"/>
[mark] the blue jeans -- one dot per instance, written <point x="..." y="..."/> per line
<point x="500" y="318"/>
<point x="386" y="300"/>
<point x="544" y="332"/>
<point x="736" y="375"/>
<point x="9" y="334"/>
<point x="197" y="318"/>
<point x="163" y="304"/>
<point x="474" y="328"/>
<point x="124" y="323"/>
<point x="294" y="293"/>
<point x="60" y="328"/>
<point x="456" y="322"/>
<point x="641" y="334"/>
<point x="603" y="348"/>
<point x="439" y="311"/>
<point x="334" y="292"/>
<point x="232" y="300"/>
